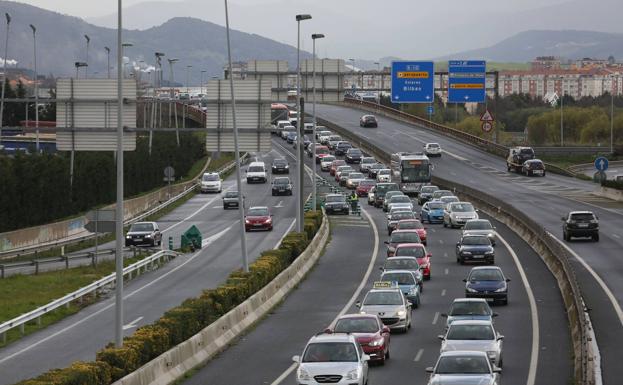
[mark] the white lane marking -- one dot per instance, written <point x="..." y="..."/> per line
<point x="286" y="233"/>
<point x="446" y="271"/>
<point x="604" y="287"/>
<point x="418" y="355"/>
<point x="280" y="204"/>
<point x="435" y="318"/>
<point x="34" y="344"/>
<point x="443" y="293"/>
<point x="196" y="212"/>
<point x="441" y="241"/>
<point x="616" y="236"/>
<point x="352" y="299"/>
<point x="132" y="324"/>
<point x="534" y="315"/>
<point x="445" y="255"/>
<point x="433" y="230"/>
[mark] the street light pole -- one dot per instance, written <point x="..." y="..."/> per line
<point x="108" y="60"/>
<point x="314" y="37"/>
<point x="34" y="35"/>
<point x="378" y="67"/>
<point x="201" y="82"/>
<point x="86" y="69"/>
<point x="299" y="127"/>
<point x="172" y="91"/>
<point x="243" y="238"/>
<point x="352" y="73"/>
<point x="5" y="77"/>
<point x="562" y="102"/>
<point x="612" y="88"/>
<point x="188" y="67"/>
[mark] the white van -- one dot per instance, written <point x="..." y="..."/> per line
<point x="256" y="172"/>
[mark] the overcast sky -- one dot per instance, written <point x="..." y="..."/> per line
<point x="368" y="29"/>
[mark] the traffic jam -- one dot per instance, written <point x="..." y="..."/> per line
<point x="470" y="349"/>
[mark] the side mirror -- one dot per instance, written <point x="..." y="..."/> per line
<point x="563" y="218"/>
<point x="366" y="357"/>
<point x="500" y="337"/>
<point x="464" y="280"/>
<point x="444" y="315"/>
<point x="441" y="337"/>
<point x="508" y="279"/>
<point x="328" y="331"/>
<point x="381" y="268"/>
<point x="458" y="243"/>
<point x="429" y="255"/>
<point x="296" y="359"/>
<point x="386" y="329"/>
<point x="494" y="315"/>
<point x="497" y="370"/>
<point x="358" y="304"/>
<point x="386" y="242"/>
<point x="429" y="369"/>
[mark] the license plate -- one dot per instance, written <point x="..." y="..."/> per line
<point x="489" y="299"/>
<point x="257" y="225"/>
<point x="479" y="256"/>
<point x="538" y="171"/>
<point x="582" y="224"/>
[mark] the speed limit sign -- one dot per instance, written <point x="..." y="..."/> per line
<point x="487" y="126"/>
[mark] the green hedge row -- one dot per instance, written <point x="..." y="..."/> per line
<point x="185" y="320"/>
<point x="612" y="184"/>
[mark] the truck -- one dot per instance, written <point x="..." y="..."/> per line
<point x="410" y="171"/>
<point x="517" y="156"/>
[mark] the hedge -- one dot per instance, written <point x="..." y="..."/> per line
<point x="612" y="184"/>
<point x="185" y="320"/>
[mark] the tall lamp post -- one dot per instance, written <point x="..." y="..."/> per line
<point x="5" y="77"/>
<point x="352" y="73"/>
<point x="613" y="87"/>
<point x="188" y="67"/>
<point x="201" y="82"/>
<point x="171" y="61"/>
<point x="158" y="80"/>
<point x="107" y="61"/>
<point x="78" y="65"/>
<point x="378" y="68"/>
<point x="314" y="37"/>
<point x="299" y="127"/>
<point x="34" y="36"/>
<point x="86" y="70"/>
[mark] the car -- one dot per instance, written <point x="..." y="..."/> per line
<point x="344" y="174"/>
<point x="474" y="335"/>
<point x="353" y="180"/>
<point x="475" y="248"/>
<point x="321" y="152"/>
<point x="394" y="218"/>
<point x="487" y="282"/>
<point x="280" y="166"/>
<point x="480" y="227"/>
<point x="258" y="218"/>
<point x="369" y="331"/>
<point x="353" y="155"/>
<point x="457" y="213"/>
<point x="374" y="169"/>
<point x="306" y="141"/>
<point x="580" y="224"/>
<point x="143" y="234"/>
<point x="401" y="236"/>
<point x="441" y="193"/>
<point x="382" y="189"/>
<point x="469" y="309"/>
<point x="256" y="172"/>
<point x="325" y="162"/>
<point x="335" y="164"/>
<point x="400" y="201"/>
<point x="463" y="367"/>
<point x="368" y="121"/>
<point x="211" y="182"/>
<point x="432" y="212"/>
<point x="364" y="187"/>
<point x="388" y="197"/>
<point x="333" y="141"/>
<point x="386" y="300"/>
<point x="418" y="251"/>
<point x="533" y="167"/>
<point x="322" y="133"/>
<point x="407" y="282"/>
<point x="371" y="193"/>
<point x="335" y="203"/>
<point x="517" y="156"/>
<point x="287" y="130"/>
<point x="384" y="175"/>
<point x="230" y="199"/>
<point x="290" y="137"/>
<point x="365" y="163"/>
<point x="425" y="194"/>
<point x="332" y="358"/>
<point x="405" y="263"/>
<point x="279" y="126"/>
<point x="432" y="149"/>
<point x="448" y="199"/>
<point x="308" y="128"/>
<point x="342" y="147"/>
<point x="413" y="224"/>
<point x="281" y="186"/>
<point x="339" y="169"/>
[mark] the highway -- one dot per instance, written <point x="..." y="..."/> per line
<point x="147" y="297"/>
<point x="598" y="265"/>
<point x="346" y="271"/>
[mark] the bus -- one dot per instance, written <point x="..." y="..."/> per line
<point x="278" y="112"/>
<point x="410" y="170"/>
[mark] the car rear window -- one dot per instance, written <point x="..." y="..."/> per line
<point x="401" y="264"/>
<point x="256" y="169"/>
<point x="258" y="212"/>
<point x="356" y="325"/>
<point x="470" y="332"/>
<point x="410" y="251"/>
<point x="142" y="227"/>
<point x="331" y="352"/>
<point x="582" y="217"/>
<point x="401" y="278"/>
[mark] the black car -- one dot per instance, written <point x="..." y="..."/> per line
<point x="374" y="169"/>
<point x="368" y="121"/>
<point x="280" y="166"/>
<point x="143" y="234"/>
<point x="533" y="167"/>
<point x="425" y="194"/>
<point x="353" y="155"/>
<point x="342" y="148"/>
<point x="475" y="248"/>
<point x="230" y="199"/>
<point x="487" y="282"/>
<point x="281" y="186"/>
<point x="336" y="203"/>
<point x="580" y="224"/>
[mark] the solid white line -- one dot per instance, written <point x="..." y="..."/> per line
<point x="286" y="233"/>
<point x="352" y="299"/>
<point x="443" y="293"/>
<point x="534" y="315"/>
<point x="418" y="355"/>
<point x="616" y="236"/>
<point x="435" y="318"/>
<point x="604" y="287"/>
<point x="132" y="324"/>
<point x="446" y="271"/>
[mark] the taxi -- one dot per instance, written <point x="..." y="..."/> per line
<point x="387" y="301"/>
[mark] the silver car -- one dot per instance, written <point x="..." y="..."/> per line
<point x="480" y="227"/>
<point x="384" y="175"/>
<point x="389" y="304"/>
<point x="457" y="213"/>
<point x="401" y="201"/>
<point x="469" y="309"/>
<point x="464" y="367"/>
<point x="332" y="358"/>
<point x="474" y="335"/>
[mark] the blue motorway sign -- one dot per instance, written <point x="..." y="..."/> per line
<point x="601" y="163"/>
<point x="412" y="81"/>
<point x="467" y="81"/>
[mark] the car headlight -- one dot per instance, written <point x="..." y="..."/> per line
<point x="268" y="220"/>
<point x="353" y="375"/>
<point x="304" y="375"/>
<point x="466" y="253"/>
<point x="501" y="290"/>
<point x="287" y="166"/>
<point x="401" y="313"/>
<point x="128" y="237"/>
<point x="247" y="221"/>
<point x="489" y="253"/>
<point x="470" y="290"/>
<point x="413" y="290"/>
<point x="392" y="249"/>
<point x="490" y="235"/>
<point x="148" y="236"/>
<point x="377" y="342"/>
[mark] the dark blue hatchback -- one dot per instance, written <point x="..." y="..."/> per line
<point x="488" y="283"/>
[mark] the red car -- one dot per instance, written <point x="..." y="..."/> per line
<point x="258" y="218"/>
<point x="364" y="187"/>
<point x="369" y="331"/>
<point x="413" y="224"/>
<point x="401" y="236"/>
<point x="335" y="164"/>
<point x="321" y="151"/>
<point x="417" y="250"/>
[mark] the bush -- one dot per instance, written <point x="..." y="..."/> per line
<point x="612" y="184"/>
<point x="79" y="373"/>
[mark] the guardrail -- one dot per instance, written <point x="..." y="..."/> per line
<point x="110" y="280"/>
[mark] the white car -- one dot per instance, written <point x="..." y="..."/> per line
<point x="384" y="175"/>
<point x="256" y="172"/>
<point x="474" y="335"/>
<point x="432" y="149"/>
<point x="387" y="301"/>
<point x="353" y="180"/>
<point x="325" y="162"/>
<point x="211" y="182"/>
<point x="286" y="130"/>
<point x="457" y="213"/>
<point x="400" y="201"/>
<point x="464" y="367"/>
<point x="335" y="358"/>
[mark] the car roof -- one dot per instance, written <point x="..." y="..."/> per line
<point x="486" y="268"/>
<point x="451" y="353"/>
<point x="397" y="271"/>
<point x="469" y="300"/>
<point x="389" y="289"/>
<point x="258" y="163"/>
<point x="581" y="212"/>
<point x="406" y="231"/>
<point x="402" y="256"/>
<point x="334" y="195"/>
<point x="358" y="315"/>
<point x="472" y="322"/>
<point x="258" y="207"/>
<point x="332" y="337"/>
<point x="409" y="244"/>
<point x="141" y="223"/>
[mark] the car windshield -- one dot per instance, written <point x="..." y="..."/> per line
<point x="470" y="332"/>
<point x="448" y="199"/>
<point x="322" y="151"/>
<point x="486" y="275"/>
<point x="355" y="175"/>
<point x="339" y="162"/>
<point x="377" y="166"/>
<point x="354" y="151"/>
<point x="258" y="212"/>
<point x="441" y="193"/>
<point x="280" y="162"/>
<point x="406" y="237"/>
<point x="401" y="264"/>
<point x="400" y="278"/>
<point x="429" y="189"/>
<point x="335" y="138"/>
<point x="402" y="215"/>
<point x="462" y="365"/>
<point x="582" y="217"/>
<point x="256" y="169"/>
<point x="231" y="194"/>
<point x="434" y="206"/>
<point x="331" y="352"/>
<point x="400" y="199"/>
<point x="282" y="181"/>
<point x="410" y="225"/>
<point x="463" y="207"/>
<point x="210" y="177"/>
<point x="410" y="251"/>
<point x="366" y="183"/>
<point x="368" y="160"/>
<point x="433" y="145"/>
<point x="356" y="325"/>
<point x="526" y="151"/>
<point x="462" y="308"/>
<point x="384" y="172"/>
<point x="335" y="198"/>
<point x="478" y="225"/>
<point x="475" y="241"/>
<point x="142" y="227"/>
<point x="328" y="159"/>
<point x="383" y="298"/>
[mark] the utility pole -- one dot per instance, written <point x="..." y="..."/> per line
<point x="34" y="35"/>
<point x="5" y="77"/>
<point x="314" y="37"/>
<point x="108" y="60"/>
<point x="86" y="69"/>
<point x="119" y="208"/>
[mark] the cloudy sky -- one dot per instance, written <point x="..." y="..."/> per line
<point x="368" y="29"/>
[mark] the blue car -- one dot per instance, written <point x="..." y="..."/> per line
<point x="432" y="212"/>
<point x="488" y="283"/>
<point x="407" y="282"/>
